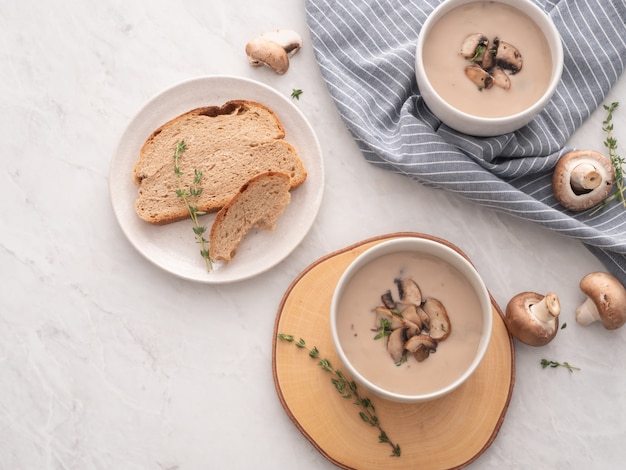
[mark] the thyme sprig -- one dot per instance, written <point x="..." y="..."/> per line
<point x="295" y="93"/>
<point x="347" y="389"/>
<point x="187" y="195"/>
<point x="610" y="142"/>
<point x="480" y="50"/>
<point x="384" y="330"/>
<point x="553" y="364"/>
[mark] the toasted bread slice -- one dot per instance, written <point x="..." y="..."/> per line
<point x="229" y="144"/>
<point x="258" y="203"/>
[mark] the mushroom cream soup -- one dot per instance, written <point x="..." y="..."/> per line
<point x="356" y="322"/>
<point x="445" y="66"/>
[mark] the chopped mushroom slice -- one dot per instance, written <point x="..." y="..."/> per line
<point x="424" y="317"/>
<point x="489" y="58"/>
<point x="422" y="353"/>
<point x="410" y="314"/>
<point x="582" y="179"/>
<point x="420" y="346"/>
<point x="606" y="301"/>
<point x="491" y="64"/>
<point x="471" y="43"/>
<point x="500" y="78"/>
<point x="439" y="322"/>
<point x="388" y="301"/>
<point x="478" y="75"/>
<point x="384" y="313"/>
<point x="410" y="328"/>
<point x="395" y="344"/>
<point x="508" y="57"/>
<point x="409" y="291"/>
<point x="412" y="323"/>
<point x="533" y="318"/>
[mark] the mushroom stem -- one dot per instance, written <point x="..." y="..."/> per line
<point x="585" y="177"/>
<point x="582" y="179"/>
<point x="587" y="313"/>
<point x="547" y="309"/>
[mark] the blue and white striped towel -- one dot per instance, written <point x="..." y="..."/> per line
<point x="365" y="50"/>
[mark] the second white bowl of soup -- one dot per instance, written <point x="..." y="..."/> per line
<point x="376" y="327"/>
<point x="487" y="68"/>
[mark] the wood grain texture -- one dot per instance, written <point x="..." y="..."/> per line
<point x="447" y="433"/>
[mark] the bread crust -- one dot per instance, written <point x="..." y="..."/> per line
<point x="258" y="203"/>
<point x="230" y="144"/>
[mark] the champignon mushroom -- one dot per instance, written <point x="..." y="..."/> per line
<point x="410" y="314"/>
<point x="287" y="39"/>
<point x="606" y="301"/>
<point x="489" y="57"/>
<point x="383" y="313"/>
<point x="387" y="300"/>
<point x="409" y="291"/>
<point x="533" y="318"/>
<point x="410" y="328"/>
<point x="274" y="49"/>
<point x="500" y="78"/>
<point x="478" y="75"/>
<point x="439" y="328"/>
<point x="582" y="179"/>
<point x="471" y="43"/>
<point x="424" y="317"/>
<point x="508" y="57"/>
<point x="395" y="344"/>
<point x="420" y="346"/>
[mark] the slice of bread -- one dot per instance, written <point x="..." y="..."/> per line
<point x="258" y="203"/>
<point x="229" y="144"/>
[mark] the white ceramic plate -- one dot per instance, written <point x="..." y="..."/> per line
<point x="173" y="247"/>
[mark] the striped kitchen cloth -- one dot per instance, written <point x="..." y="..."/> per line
<point x="366" y="49"/>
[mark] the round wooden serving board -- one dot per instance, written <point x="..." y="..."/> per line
<point x="447" y="433"/>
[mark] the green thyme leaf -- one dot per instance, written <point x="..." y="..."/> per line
<point x="553" y="364"/>
<point x="480" y="50"/>
<point x="194" y="191"/>
<point x="348" y="390"/>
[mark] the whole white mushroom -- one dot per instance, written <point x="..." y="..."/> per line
<point x="533" y="318"/>
<point x="606" y="301"/>
<point x="582" y="179"/>
<point x="273" y="49"/>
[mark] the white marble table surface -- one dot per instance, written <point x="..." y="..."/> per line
<point x="107" y="362"/>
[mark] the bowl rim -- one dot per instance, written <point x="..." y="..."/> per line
<point x="538" y="16"/>
<point x="459" y="262"/>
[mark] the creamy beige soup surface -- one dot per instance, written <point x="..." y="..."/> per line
<point x="356" y="320"/>
<point x="445" y="67"/>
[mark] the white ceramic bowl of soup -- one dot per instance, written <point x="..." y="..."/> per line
<point x="459" y="102"/>
<point x="440" y="272"/>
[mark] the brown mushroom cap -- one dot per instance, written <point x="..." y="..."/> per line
<point x="588" y="190"/>
<point x="263" y="51"/>
<point x="606" y="301"/>
<point x="525" y="326"/>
